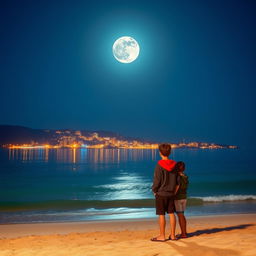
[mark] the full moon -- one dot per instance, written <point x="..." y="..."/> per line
<point x="126" y="49"/>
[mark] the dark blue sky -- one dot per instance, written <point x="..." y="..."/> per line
<point x="194" y="78"/>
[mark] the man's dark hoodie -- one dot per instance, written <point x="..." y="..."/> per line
<point x="165" y="178"/>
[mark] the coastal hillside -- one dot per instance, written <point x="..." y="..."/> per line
<point x="12" y="134"/>
<point x="24" y="137"/>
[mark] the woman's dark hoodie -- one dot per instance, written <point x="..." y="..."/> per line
<point x="165" y="178"/>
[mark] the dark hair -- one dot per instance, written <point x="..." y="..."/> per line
<point x="165" y="149"/>
<point x="180" y="166"/>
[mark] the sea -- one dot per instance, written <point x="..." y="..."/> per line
<point x="80" y="184"/>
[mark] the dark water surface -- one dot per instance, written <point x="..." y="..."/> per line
<point x="90" y="184"/>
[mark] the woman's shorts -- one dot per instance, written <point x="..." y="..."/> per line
<point x="180" y="205"/>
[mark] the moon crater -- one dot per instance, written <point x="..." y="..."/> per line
<point x="126" y="49"/>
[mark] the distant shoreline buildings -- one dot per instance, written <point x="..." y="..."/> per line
<point x="76" y="139"/>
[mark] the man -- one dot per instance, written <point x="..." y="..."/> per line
<point x="165" y="185"/>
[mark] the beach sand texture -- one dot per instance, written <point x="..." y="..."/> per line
<point x="210" y="236"/>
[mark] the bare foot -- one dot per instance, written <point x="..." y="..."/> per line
<point x="172" y="237"/>
<point x="182" y="236"/>
<point x="158" y="238"/>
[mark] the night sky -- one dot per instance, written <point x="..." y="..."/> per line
<point x="194" y="78"/>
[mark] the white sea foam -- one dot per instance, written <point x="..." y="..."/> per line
<point x="227" y="198"/>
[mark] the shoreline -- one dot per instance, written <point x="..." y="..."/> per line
<point x="15" y="230"/>
<point x="121" y="214"/>
<point x="124" y="219"/>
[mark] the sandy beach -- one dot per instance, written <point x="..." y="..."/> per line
<point x="212" y="235"/>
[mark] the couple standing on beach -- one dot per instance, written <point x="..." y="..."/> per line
<point x="170" y="190"/>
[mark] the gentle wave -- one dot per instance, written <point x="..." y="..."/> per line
<point x="98" y="204"/>
<point x="227" y="198"/>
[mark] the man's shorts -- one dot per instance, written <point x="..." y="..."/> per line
<point x="180" y="205"/>
<point x="164" y="204"/>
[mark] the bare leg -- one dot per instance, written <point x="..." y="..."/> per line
<point x="162" y="227"/>
<point x="183" y="224"/>
<point x="173" y="225"/>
